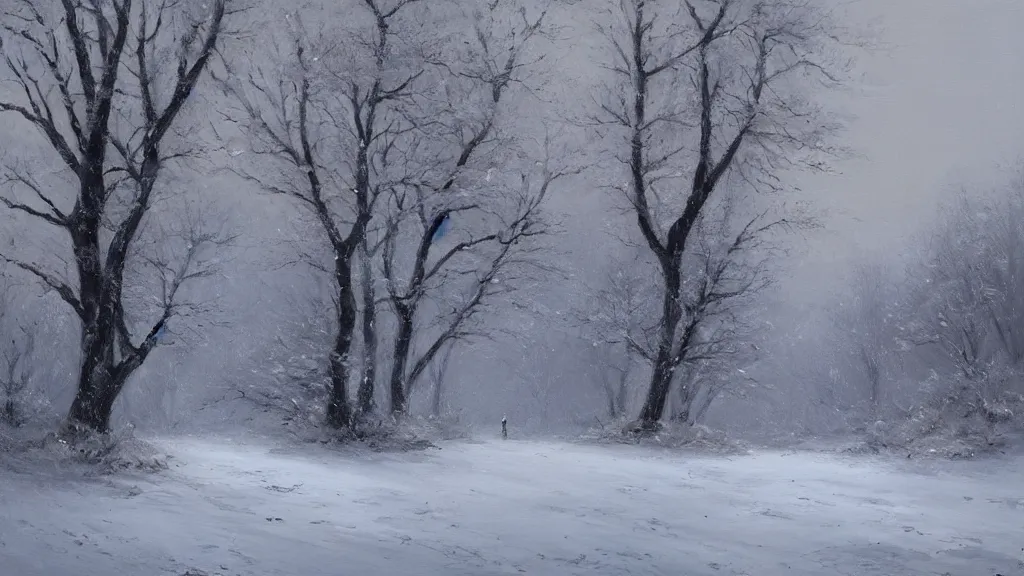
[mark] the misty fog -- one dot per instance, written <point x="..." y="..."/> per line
<point x="274" y="240"/>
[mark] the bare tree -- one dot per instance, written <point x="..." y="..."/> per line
<point x="438" y="372"/>
<point x="728" y="268"/>
<point x="463" y="278"/>
<point x="16" y="376"/>
<point x="368" y="313"/>
<point x="964" y="303"/>
<point x="712" y="84"/>
<point x="288" y="375"/>
<point x="612" y="320"/>
<point x="322" y="102"/>
<point x="697" y="390"/>
<point x="1004" y="278"/>
<point x="16" y="358"/>
<point x="92" y="81"/>
<point x="615" y="366"/>
<point x="955" y="294"/>
<point x="421" y="213"/>
<point x="871" y="334"/>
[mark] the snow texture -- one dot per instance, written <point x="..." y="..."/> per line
<point x="513" y="507"/>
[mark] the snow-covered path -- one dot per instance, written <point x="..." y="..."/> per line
<point x="517" y="508"/>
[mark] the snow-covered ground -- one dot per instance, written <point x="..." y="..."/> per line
<point x="516" y="507"/>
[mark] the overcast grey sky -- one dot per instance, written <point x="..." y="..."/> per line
<point x="940" y="107"/>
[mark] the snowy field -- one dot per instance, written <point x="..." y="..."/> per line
<point x="516" y="507"/>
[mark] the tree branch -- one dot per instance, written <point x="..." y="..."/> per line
<point x="63" y="290"/>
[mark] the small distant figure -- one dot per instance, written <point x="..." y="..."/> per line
<point x="504" y="428"/>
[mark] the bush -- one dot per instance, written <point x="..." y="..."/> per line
<point x="388" y="434"/>
<point x="963" y="419"/>
<point x="28" y="449"/>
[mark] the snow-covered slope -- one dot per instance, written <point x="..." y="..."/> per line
<point x="516" y="508"/>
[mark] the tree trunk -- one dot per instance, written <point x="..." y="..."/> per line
<point x="339" y="412"/>
<point x="403" y="342"/>
<point x="688" y="391"/>
<point x="613" y="410"/>
<point x="435" y="404"/>
<point x="702" y="410"/>
<point x="622" y="392"/>
<point x="11" y="414"/>
<point x="94" y="362"/>
<point x="102" y="379"/>
<point x="442" y="369"/>
<point x="875" y="399"/>
<point x="87" y="410"/>
<point x="874" y="375"/>
<point x="102" y="373"/>
<point x="684" y="414"/>
<point x="92" y="411"/>
<point x="369" y="377"/>
<point x="665" y="363"/>
<point x="657" y="393"/>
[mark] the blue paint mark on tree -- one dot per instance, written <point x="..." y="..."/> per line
<point x="443" y="228"/>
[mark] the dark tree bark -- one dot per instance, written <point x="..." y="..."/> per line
<point x="369" y="325"/>
<point x="339" y="411"/>
<point x="403" y="342"/>
<point x="99" y="38"/>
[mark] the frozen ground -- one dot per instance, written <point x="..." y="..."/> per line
<point x="516" y="507"/>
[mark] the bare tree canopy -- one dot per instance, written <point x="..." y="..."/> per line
<point x="324" y="99"/>
<point x="455" y="186"/>
<point x="708" y="95"/>
<point x="407" y="114"/>
<point x="870" y="338"/>
<point x="17" y="357"/>
<point x="937" y="341"/>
